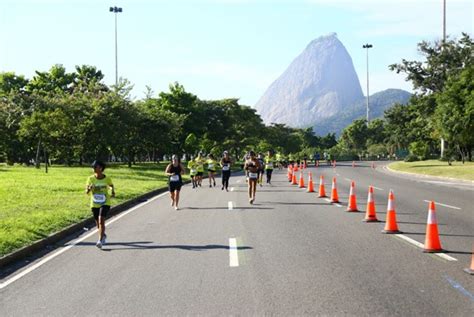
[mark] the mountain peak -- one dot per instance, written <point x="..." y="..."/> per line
<point x="317" y="84"/>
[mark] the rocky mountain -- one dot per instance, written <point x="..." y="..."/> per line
<point x="318" y="87"/>
<point x="378" y="103"/>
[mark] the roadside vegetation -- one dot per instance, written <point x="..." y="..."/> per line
<point x="456" y="170"/>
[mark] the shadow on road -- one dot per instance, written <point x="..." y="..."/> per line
<point x="150" y="246"/>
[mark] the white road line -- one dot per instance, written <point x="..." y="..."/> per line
<point x="74" y="243"/>
<point x="377" y="188"/>
<point x="238" y="181"/>
<point x="348" y="179"/>
<point x="327" y="199"/>
<point x="230" y="205"/>
<point x="232" y="189"/>
<point x="422" y="246"/>
<point x="233" y="254"/>
<point x="449" y="206"/>
<point x="338" y="174"/>
<point x="338" y="205"/>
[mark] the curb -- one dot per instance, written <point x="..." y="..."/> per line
<point x="53" y="238"/>
<point x="429" y="176"/>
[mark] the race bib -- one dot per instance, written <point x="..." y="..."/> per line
<point x="99" y="199"/>
<point x="270" y="165"/>
<point x="174" y="178"/>
<point x="193" y="171"/>
<point x="225" y="167"/>
<point x="211" y="166"/>
<point x="253" y="175"/>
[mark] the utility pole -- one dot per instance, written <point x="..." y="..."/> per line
<point x="442" y="47"/>
<point x="367" y="46"/>
<point x="116" y="10"/>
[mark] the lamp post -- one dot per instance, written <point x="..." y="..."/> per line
<point x="367" y="46"/>
<point x="116" y="10"/>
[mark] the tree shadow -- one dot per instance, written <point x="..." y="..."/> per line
<point x="148" y="245"/>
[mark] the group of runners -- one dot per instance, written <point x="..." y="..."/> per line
<point x="98" y="184"/>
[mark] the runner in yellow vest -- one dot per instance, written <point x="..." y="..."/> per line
<point x="270" y="163"/>
<point x="98" y="186"/>
<point x="199" y="160"/>
<point x="211" y="169"/>
<point x="192" y="166"/>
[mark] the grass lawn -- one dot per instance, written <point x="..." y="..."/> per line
<point x="437" y="168"/>
<point x="35" y="204"/>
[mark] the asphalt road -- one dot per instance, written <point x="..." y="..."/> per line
<point x="295" y="254"/>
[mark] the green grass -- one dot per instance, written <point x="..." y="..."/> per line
<point x="35" y="204"/>
<point x="437" y="168"/>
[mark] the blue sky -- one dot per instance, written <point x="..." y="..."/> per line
<point x="218" y="48"/>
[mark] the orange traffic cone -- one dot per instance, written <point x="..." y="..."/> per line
<point x="301" y="183"/>
<point x="391" y="221"/>
<point x="432" y="243"/>
<point x="370" y="215"/>
<point x="295" y="168"/>
<point x="352" y="206"/>
<point x="470" y="270"/>
<point x="334" y="195"/>
<point x="322" y="190"/>
<point x="293" y="179"/>
<point x="310" y="184"/>
<point x="288" y="174"/>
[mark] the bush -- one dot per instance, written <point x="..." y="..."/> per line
<point x="411" y="158"/>
<point x="419" y="149"/>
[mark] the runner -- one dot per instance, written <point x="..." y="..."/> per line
<point x="260" y="169"/>
<point x="174" y="170"/>
<point x="225" y="164"/>
<point x="270" y="163"/>
<point x="98" y="184"/>
<point x="200" y="168"/>
<point x="252" y="166"/>
<point x="211" y="169"/>
<point x="193" y="172"/>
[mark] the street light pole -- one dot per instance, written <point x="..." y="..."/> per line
<point x="367" y="46"/>
<point x="443" y="145"/>
<point x="116" y="10"/>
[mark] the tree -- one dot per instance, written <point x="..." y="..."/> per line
<point x="455" y="112"/>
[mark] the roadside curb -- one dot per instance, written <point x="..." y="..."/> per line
<point x="464" y="181"/>
<point x="73" y="229"/>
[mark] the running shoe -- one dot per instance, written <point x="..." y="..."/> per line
<point x="222" y="188"/>
<point x="210" y="186"/>
<point x="214" y="184"/>
<point x="104" y="239"/>
<point x="99" y="244"/>
<point x="176" y="208"/>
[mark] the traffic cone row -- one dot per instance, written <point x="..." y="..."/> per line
<point x="432" y="241"/>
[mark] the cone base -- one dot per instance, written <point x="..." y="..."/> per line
<point x="352" y="210"/>
<point x="469" y="271"/>
<point x="433" y="250"/>
<point x="322" y="196"/>
<point x="310" y="191"/>
<point x="371" y="220"/>
<point x="301" y="186"/>
<point x="391" y="231"/>
<point x="335" y="201"/>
